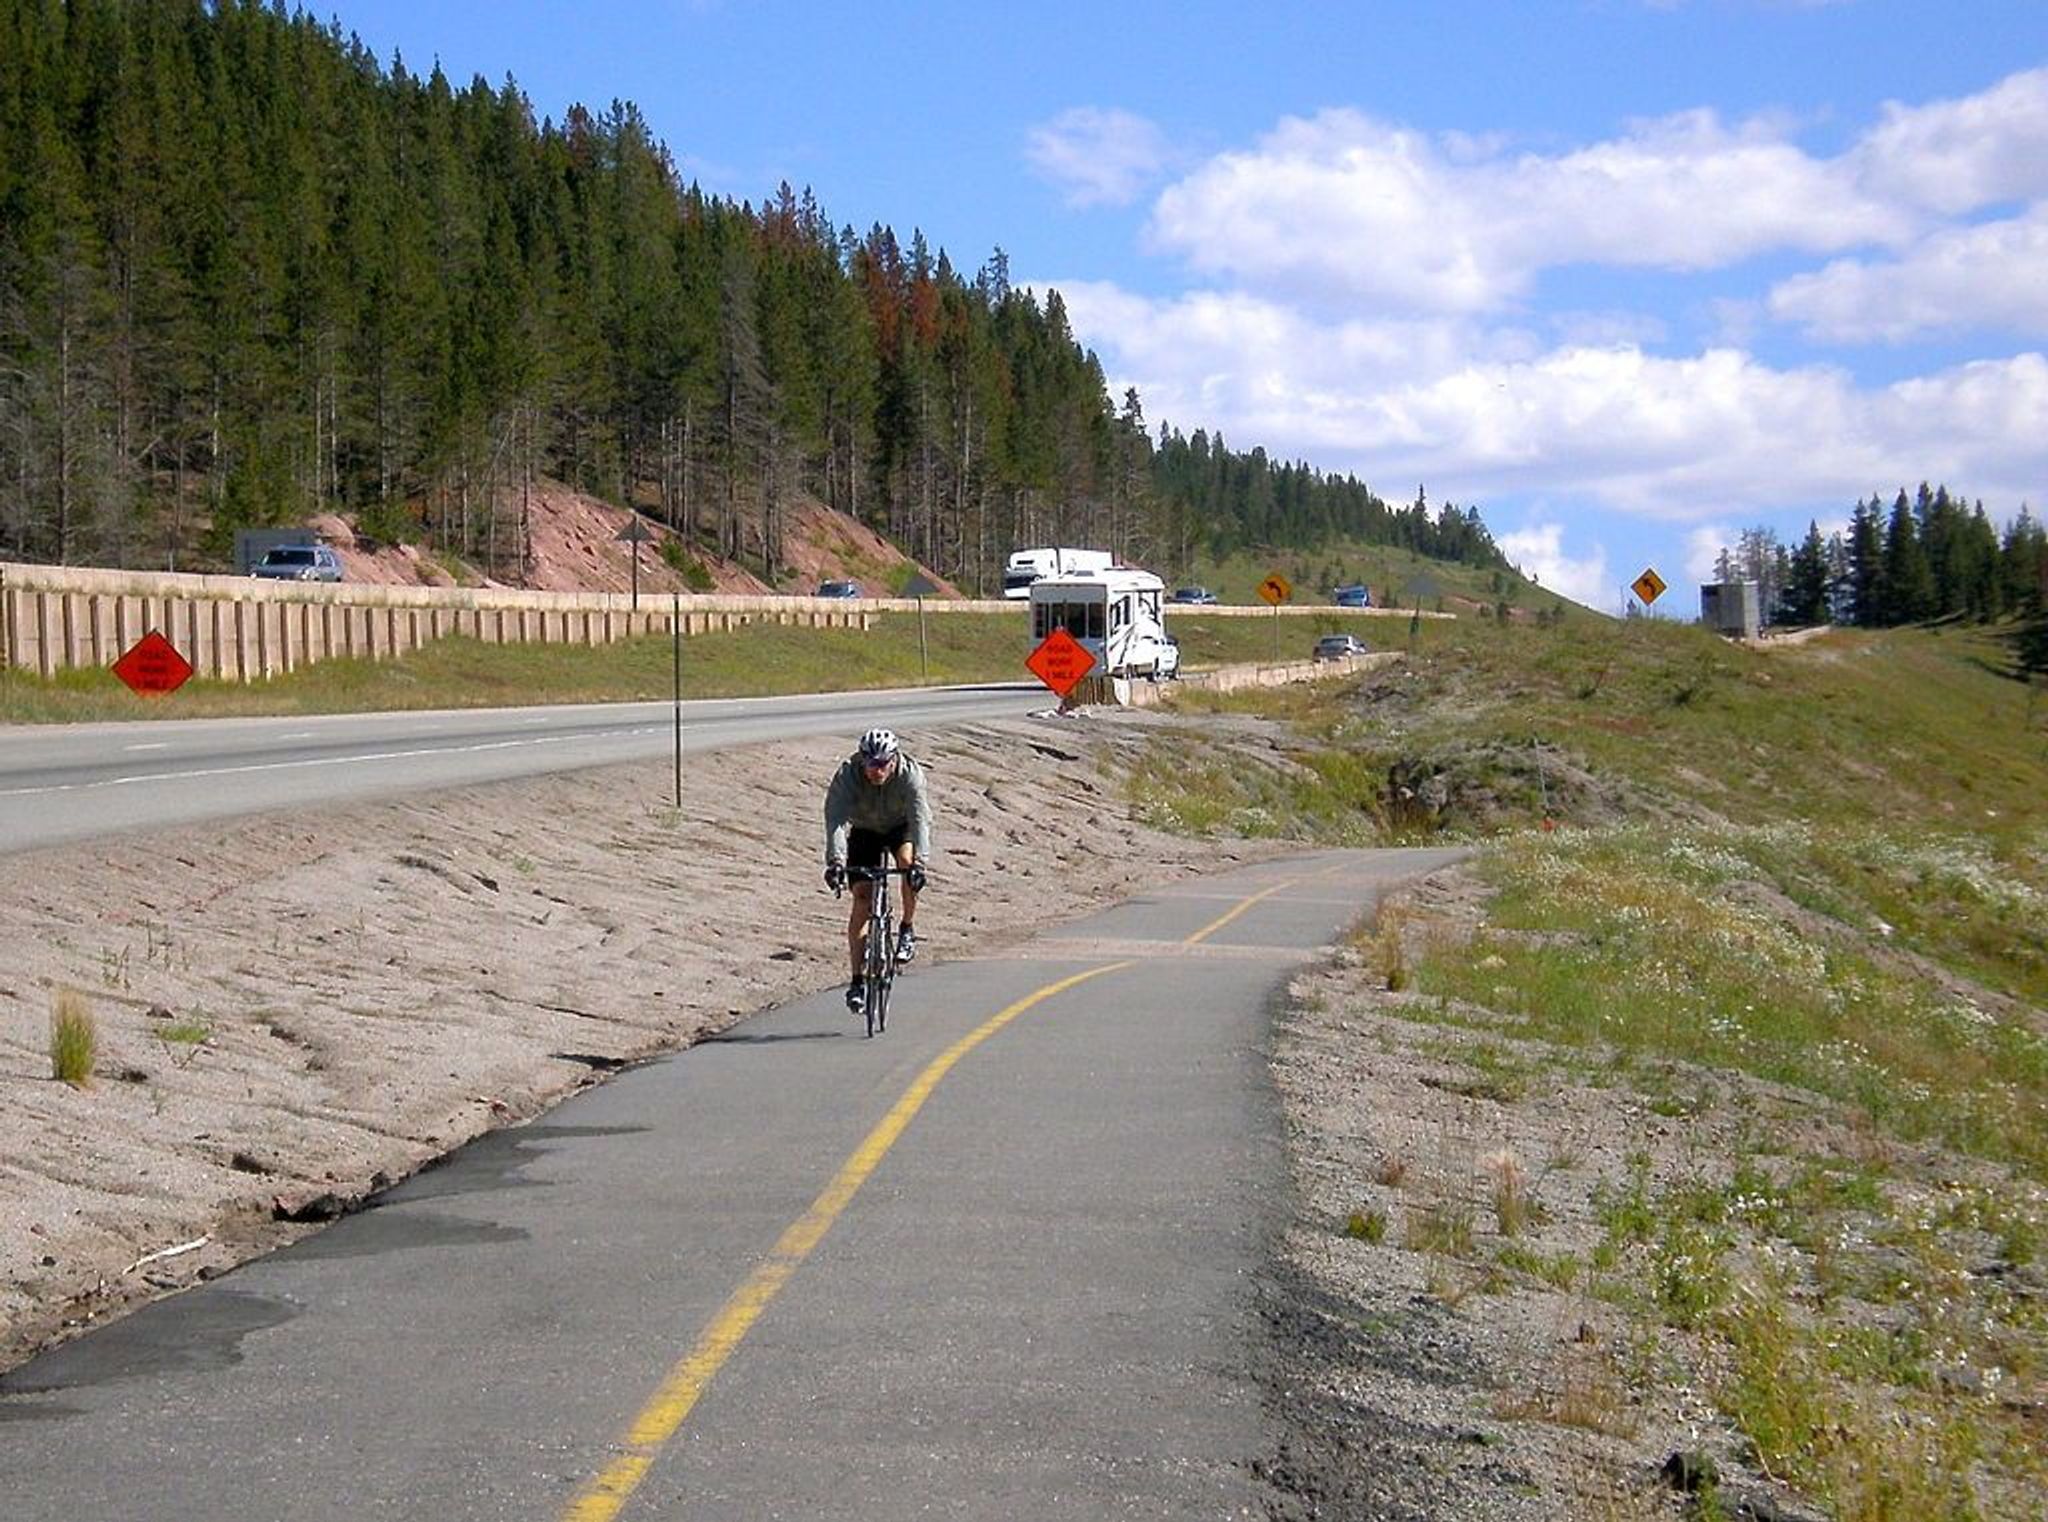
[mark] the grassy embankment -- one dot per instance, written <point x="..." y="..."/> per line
<point x="1397" y="577"/>
<point x="762" y="659"/>
<point x="1807" y="889"/>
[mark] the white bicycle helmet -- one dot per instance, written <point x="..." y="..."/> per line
<point x="877" y="745"/>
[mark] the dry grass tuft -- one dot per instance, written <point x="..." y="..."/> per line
<point x="1510" y="1192"/>
<point x="74" y="1039"/>
<point x="1589" y="1394"/>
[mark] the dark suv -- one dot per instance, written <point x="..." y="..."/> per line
<point x="839" y="589"/>
<point x="1192" y="594"/>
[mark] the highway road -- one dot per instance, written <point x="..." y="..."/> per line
<point x="72" y="782"/>
<point x="1001" y="1262"/>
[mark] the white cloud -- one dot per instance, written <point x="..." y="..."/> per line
<point x="1539" y="551"/>
<point x="1360" y="272"/>
<point x="1481" y="415"/>
<point x="1992" y="276"/>
<point x="1097" y="157"/>
<point x="1341" y="206"/>
<point x="1953" y="156"/>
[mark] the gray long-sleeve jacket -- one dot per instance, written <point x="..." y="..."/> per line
<point x="852" y="802"/>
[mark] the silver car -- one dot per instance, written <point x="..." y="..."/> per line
<point x="299" y="562"/>
<point x="1335" y="647"/>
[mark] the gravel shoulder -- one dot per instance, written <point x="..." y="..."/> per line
<point x="1444" y="1354"/>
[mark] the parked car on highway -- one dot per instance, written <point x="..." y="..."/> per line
<point x="299" y="562"/>
<point x="839" y="589"/>
<point x="1353" y="596"/>
<point x="1192" y="595"/>
<point x="1335" y="647"/>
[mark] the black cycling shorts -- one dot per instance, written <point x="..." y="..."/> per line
<point x="867" y="848"/>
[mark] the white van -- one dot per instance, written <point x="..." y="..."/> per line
<point x="1116" y="615"/>
<point x="1026" y="566"/>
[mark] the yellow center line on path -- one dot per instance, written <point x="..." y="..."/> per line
<point x="663" y="1416"/>
<point x="1243" y="904"/>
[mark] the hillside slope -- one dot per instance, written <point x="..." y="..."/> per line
<point x="1705" y="1114"/>
<point x="576" y="548"/>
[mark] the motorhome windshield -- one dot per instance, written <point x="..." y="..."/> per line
<point x="1081" y="618"/>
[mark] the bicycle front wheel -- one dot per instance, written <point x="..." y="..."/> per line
<point x="875" y="1007"/>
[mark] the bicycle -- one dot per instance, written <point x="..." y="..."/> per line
<point x="879" y="971"/>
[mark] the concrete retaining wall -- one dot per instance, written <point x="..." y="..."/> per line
<point x="1237" y="678"/>
<point x="55" y="618"/>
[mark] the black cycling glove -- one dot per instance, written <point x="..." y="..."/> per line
<point x="916" y="877"/>
<point x="835" y="876"/>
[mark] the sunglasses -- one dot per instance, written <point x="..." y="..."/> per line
<point x="879" y="766"/>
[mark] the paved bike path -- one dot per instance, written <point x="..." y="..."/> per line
<point x="1038" y="1301"/>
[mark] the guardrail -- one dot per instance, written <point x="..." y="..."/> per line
<point x="237" y="628"/>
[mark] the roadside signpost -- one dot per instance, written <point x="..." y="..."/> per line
<point x="1061" y="662"/>
<point x="675" y="634"/>
<point x="1419" y="587"/>
<point x="1649" y="586"/>
<point x="921" y="586"/>
<point x="152" y="666"/>
<point x="636" y="534"/>
<point x="1276" y="589"/>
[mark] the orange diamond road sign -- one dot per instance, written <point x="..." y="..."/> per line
<point x="152" y="666"/>
<point x="1649" y="587"/>
<point x="1060" y="662"/>
<point x="1276" y="589"/>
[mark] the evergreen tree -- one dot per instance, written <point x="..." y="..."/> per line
<point x="1909" y="594"/>
<point x="1806" y="582"/>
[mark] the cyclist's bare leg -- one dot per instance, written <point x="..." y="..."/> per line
<point x="857" y="929"/>
<point x="904" y="859"/>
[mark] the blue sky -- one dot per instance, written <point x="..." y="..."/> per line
<point x="1630" y="275"/>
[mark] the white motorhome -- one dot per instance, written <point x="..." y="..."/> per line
<point x="1116" y="615"/>
<point x="1026" y="566"/>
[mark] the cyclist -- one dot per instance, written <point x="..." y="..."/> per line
<point x="876" y="808"/>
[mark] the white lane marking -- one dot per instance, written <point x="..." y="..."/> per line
<point x="283" y="766"/>
<point x="153" y="745"/>
<point x="298" y="734"/>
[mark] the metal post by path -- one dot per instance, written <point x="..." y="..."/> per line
<point x="636" y="576"/>
<point x="921" y="586"/>
<point x="676" y="639"/>
<point x="1276" y="633"/>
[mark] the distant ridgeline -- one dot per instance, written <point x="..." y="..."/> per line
<point x="247" y="273"/>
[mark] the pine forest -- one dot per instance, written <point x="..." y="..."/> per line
<point x="249" y="273"/>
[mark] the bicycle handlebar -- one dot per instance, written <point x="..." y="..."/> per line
<point x="871" y="874"/>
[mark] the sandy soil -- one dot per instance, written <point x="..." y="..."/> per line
<point x="293" y="1012"/>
